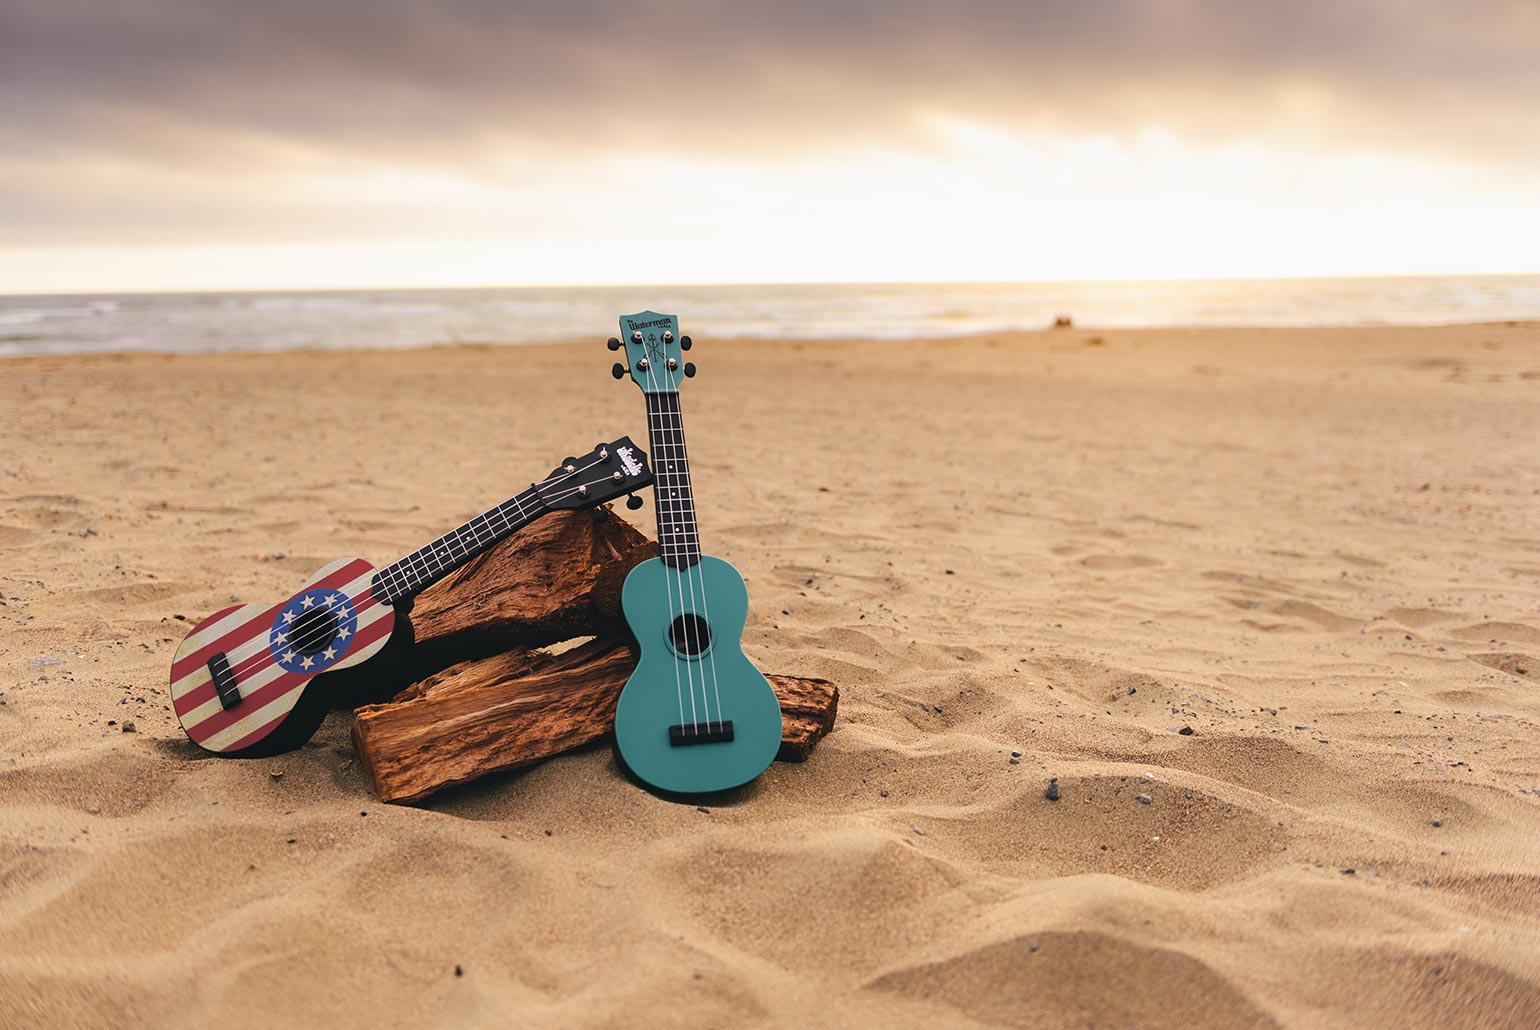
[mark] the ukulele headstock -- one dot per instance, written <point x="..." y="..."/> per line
<point x="605" y="473"/>
<point x="654" y="352"/>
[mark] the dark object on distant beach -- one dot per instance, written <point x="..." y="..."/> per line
<point x="1186" y="731"/>
<point x="1052" y="793"/>
<point x="1063" y="322"/>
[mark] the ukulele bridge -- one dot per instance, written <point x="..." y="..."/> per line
<point x="700" y="733"/>
<point x="224" y="681"/>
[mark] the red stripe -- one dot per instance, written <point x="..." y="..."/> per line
<point x="254" y="701"/>
<point x="258" y="625"/>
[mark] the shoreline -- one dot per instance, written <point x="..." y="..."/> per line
<point x="1005" y="335"/>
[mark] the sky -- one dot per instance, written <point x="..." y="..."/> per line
<point x="248" y="144"/>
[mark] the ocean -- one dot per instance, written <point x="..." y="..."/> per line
<point x="200" y="322"/>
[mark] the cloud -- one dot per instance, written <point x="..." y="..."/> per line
<point x="405" y="77"/>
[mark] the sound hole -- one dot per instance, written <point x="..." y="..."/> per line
<point x="313" y="631"/>
<point x="689" y="635"/>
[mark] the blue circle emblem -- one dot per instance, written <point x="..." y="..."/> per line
<point x="313" y="631"/>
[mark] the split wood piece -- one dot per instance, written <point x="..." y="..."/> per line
<point x="554" y="580"/>
<point x="512" y="710"/>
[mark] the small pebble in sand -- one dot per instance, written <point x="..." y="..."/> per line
<point x="916" y="829"/>
<point x="1185" y="731"/>
<point x="1350" y="872"/>
<point x="276" y="774"/>
<point x="459" y="971"/>
<point x="1014" y="761"/>
<point x="1145" y="799"/>
<point x="1052" y="793"/>
<point x="882" y="793"/>
<point x="1015" y="754"/>
<point x="1438" y="822"/>
<point x="128" y="726"/>
<point x="1133" y="690"/>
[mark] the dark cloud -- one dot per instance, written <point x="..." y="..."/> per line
<point x="424" y="78"/>
<point x="184" y="120"/>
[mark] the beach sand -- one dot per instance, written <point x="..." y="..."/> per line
<point x="1317" y="549"/>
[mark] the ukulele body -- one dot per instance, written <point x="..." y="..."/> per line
<point x="669" y="721"/>
<point x="272" y="653"/>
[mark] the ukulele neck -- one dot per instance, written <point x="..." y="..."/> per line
<point x="678" y="534"/>
<point x="427" y="565"/>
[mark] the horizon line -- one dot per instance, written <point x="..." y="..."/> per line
<point x="767" y="283"/>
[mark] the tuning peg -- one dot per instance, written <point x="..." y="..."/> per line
<point x="633" y="502"/>
<point x="618" y="370"/>
<point x="613" y="344"/>
<point x="689" y="370"/>
<point x="685" y="343"/>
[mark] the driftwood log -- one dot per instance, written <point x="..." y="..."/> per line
<point x="554" y="580"/>
<point x="487" y="700"/>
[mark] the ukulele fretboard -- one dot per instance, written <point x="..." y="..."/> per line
<point x="678" y="535"/>
<point x="432" y="562"/>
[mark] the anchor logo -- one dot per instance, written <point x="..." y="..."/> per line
<point x="654" y="348"/>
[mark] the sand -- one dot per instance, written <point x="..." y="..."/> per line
<point x="1317" y="549"/>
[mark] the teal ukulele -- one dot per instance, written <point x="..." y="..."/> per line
<point x="696" y="715"/>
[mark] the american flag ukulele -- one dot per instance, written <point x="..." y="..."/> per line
<point x="244" y="680"/>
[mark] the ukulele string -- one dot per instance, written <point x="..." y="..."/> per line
<point x="704" y="608"/>
<point x="245" y="664"/>
<point x="261" y="654"/>
<point x="658" y="498"/>
<point x="691" y="628"/>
